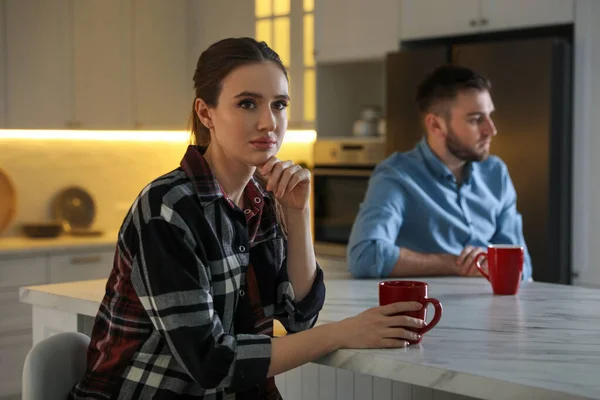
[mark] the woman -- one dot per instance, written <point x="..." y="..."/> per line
<point x="211" y="252"/>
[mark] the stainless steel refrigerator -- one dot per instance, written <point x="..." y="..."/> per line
<point x="531" y="89"/>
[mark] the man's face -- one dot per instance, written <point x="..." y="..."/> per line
<point x="470" y="128"/>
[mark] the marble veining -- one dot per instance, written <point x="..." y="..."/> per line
<point x="545" y="340"/>
<point x="543" y="343"/>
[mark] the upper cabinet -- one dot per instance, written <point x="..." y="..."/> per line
<point x="38" y="84"/>
<point x="96" y="64"/>
<point x="101" y="69"/>
<point x="435" y="18"/>
<point x="347" y="30"/>
<point x="2" y="63"/>
<point x="162" y="87"/>
<point x="510" y="14"/>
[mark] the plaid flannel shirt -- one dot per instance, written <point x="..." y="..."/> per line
<point x="167" y="325"/>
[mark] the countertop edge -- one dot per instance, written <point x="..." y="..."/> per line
<point x="20" y="247"/>
<point x="437" y="378"/>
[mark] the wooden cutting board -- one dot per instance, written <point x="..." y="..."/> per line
<point x="8" y="201"/>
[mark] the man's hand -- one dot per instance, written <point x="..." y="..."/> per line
<point x="465" y="261"/>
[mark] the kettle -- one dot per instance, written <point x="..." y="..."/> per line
<point x="371" y="122"/>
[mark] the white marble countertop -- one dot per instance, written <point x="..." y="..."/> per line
<point x="543" y="343"/>
<point x="17" y="246"/>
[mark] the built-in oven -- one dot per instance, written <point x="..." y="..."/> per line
<point x="342" y="167"/>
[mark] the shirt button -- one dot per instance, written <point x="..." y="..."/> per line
<point x="242" y="293"/>
<point x="257" y="200"/>
<point x="242" y="249"/>
<point x="247" y="211"/>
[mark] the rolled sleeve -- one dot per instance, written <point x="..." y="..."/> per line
<point x="373" y="259"/>
<point x="372" y="249"/>
<point x="175" y="290"/>
<point x="302" y="315"/>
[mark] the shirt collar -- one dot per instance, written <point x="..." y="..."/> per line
<point x="438" y="168"/>
<point x="208" y="188"/>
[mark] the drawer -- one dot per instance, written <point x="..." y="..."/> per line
<point x="80" y="266"/>
<point x="14" y="315"/>
<point x="23" y="272"/>
<point x="13" y="350"/>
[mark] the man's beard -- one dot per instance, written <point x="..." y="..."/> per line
<point x="462" y="151"/>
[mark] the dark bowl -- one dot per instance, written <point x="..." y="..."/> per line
<point x="42" y="229"/>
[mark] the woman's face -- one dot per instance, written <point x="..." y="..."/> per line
<point x="250" y="118"/>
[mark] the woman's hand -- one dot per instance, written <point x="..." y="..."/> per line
<point x="380" y="327"/>
<point x="289" y="182"/>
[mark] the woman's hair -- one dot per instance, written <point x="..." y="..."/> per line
<point x="214" y="64"/>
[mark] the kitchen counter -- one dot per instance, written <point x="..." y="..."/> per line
<point x="21" y="245"/>
<point x="543" y="343"/>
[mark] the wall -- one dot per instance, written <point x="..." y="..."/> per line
<point x="339" y="103"/>
<point x="586" y="163"/>
<point x="210" y="21"/>
<point x="113" y="173"/>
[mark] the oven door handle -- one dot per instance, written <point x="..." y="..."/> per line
<point x="342" y="172"/>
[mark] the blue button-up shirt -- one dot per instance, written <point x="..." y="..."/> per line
<point x="414" y="201"/>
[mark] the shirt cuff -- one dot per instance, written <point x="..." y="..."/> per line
<point x="389" y="256"/>
<point x="312" y="303"/>
<point x="252" y="361"/>
<point x="302" y="315"/>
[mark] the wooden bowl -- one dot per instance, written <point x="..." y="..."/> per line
<point x="42" y="229"/>
<point x="8" y="201"/>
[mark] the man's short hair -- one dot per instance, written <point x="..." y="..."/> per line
<point x="443" y="84"/>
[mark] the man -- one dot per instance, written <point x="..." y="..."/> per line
<point x="431" y="210"/>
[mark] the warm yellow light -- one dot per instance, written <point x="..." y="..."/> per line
<point x="309" y="5"/>
<point x="118" y="136"/>
<point x="291" y="136"/>
<point x="300" y="136"/>
<point x="310" y="95"/>
<point x="309" y="40"/>
<point x="264" y="28"/>
<point x="281" y="7"/>
<point x="281" y="39"/>
<point x="262" y="8"/>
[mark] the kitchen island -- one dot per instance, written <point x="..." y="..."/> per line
<point x="543" y="343"/>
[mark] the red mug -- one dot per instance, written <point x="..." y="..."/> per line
<point x="395" y="291"/>
<point x="505" y="267"/>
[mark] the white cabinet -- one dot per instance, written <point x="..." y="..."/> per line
<point x="16" y="328"/>
<point x="2" y="66"/>
<point x="96" y="64"/>
<point x="80" y="266"/>
<point x="510" y="14"/>
<point x="102" y="64"/>
<point x="38" y="86"/>
<point x="347" y="30"/>
<point x="436" y="18"/>
<point x="67" y="64"/>
<point x="433" y="18"/>
<point x="162" y="86"/>
<point x="16" y="318"/>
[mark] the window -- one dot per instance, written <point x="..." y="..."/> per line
<point x="288" y="27"/>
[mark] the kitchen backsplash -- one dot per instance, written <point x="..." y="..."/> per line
<point x="112" y="172"/>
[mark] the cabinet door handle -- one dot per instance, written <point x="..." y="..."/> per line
<point x="85" y="260"/>
<point x="473" y="23"/>
<point x="483" y="21"/>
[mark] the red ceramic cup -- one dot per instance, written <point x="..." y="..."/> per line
<point x="505" y="267"/>
<point x="395" y="291"/>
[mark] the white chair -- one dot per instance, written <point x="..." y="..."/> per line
<point x="54" y="365"/>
